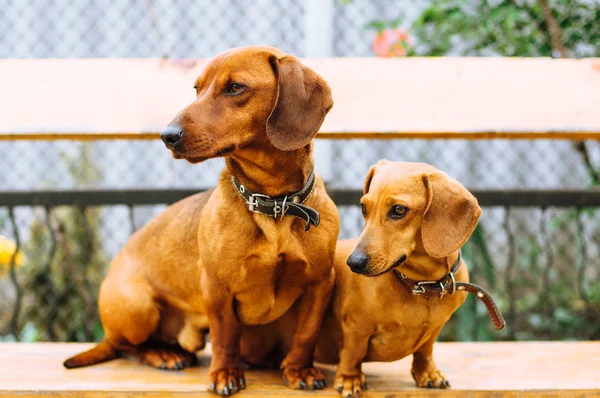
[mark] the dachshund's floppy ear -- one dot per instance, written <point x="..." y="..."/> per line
<point x="368" y="179"/>
<point x="450" y="217"/>
<point x="302" y="100"/>
<point x="370" y="175"/>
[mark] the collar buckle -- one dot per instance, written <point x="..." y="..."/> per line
<point x="417" y="290"/>
<point x="292" y="204"/>
<point x="429" y="288"/>
<point x="420" y="287"/>
<point x="252" y="202"/>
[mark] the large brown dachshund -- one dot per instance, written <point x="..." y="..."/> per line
<point x="399" y="283"/>
<point x="242" y="253"/>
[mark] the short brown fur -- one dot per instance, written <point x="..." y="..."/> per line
<point x="207" y="262"/>
<point x="376" y="317"/>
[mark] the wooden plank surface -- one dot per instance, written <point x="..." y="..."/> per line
<point x="374" y="97"/>
<point x="549" y="369"/>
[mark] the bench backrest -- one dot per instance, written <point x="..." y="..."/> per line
<point x="374" y="97"/>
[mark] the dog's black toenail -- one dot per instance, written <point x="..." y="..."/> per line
<point x="226" y="391"/>
<point x="340" y="388"/>
<point x="429" y="384"/>
<point x="364" y="386"/>
<point x="303" y="385"/>
<point x="163" y="366"/>
<point x="242" y="383"/>
<point x="212" y="386"/>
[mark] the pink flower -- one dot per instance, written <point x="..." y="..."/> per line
<point x="392" y="43"/>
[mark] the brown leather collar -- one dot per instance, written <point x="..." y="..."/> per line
<point x="449" y="285"/>
<point x="281" y="206"/>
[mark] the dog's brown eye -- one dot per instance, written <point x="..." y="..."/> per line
<point x="363" y="208"/>
<point x="398" y="211"/>
<point x="235" y="88"/>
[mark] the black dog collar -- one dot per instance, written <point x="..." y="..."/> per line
<point x="288" y="205"/>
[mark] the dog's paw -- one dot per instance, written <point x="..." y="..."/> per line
<point x="226" y="382"/>
<point x="351" y="386"/>
<point x="166" y="358"/>
<point x="430" y="379"/>
<point x="304" y="379"/>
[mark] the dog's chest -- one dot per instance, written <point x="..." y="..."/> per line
<point x="265" y="263"/>
<point x="273" y="273"/>
<point x="406" y="329"/>
<point x="271" y="284"/>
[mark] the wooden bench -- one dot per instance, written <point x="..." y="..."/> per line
<point x="549" y="369"/>
<point x="374" y="98"/>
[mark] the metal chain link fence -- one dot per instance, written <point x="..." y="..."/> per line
<point x="146" y="28"/>
<point x="540" y="263"/>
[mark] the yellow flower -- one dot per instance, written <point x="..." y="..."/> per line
<point x="7" y="249"/>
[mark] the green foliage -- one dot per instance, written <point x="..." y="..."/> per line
<point x="380" y="26"/>
<point x="29" y="334"/>
<point x="508" y="28"/>
<point x="513" y="28"/>
<point x="482" y="28"/>
<point x="66" y="264"/>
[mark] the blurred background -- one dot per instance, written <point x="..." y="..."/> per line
<point x="541" y="264"/>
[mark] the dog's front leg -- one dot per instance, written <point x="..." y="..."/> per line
<point x="298" y="369"/>
<point x="424" y="370"/>
<point x="225" y="374"/>
<point x="349" y="379"/>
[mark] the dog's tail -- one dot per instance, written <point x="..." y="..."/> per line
<point x="100" y="353"/>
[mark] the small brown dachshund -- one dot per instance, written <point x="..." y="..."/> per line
<point x="399" y="283"/>
<point x="244" y="252"/>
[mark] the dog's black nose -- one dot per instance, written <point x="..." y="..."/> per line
<point x="358" y="262"/>
<point x="171" y="136"/>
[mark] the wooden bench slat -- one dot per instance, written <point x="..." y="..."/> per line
<point x="374" y="97"/>
<point x="479" y="369"/>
